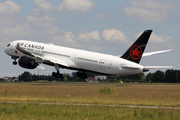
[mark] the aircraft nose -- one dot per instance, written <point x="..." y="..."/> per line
<point x="6" y="50"/>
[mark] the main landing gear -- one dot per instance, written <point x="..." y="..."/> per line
<point x="14" y="62"/>
<point x="82" y="74"/>
<point x="57" y="74"/>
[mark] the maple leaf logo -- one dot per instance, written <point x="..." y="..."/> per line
<point x="136" y="52"/>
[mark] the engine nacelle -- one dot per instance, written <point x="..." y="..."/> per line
<point x="27" y="62"/>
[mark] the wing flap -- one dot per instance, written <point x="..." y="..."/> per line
<point x="55" y="61"/>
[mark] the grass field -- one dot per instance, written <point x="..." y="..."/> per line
<point x="113" y="94"/>
<point x="29" y="111"/>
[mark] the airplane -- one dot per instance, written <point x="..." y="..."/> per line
<point x="32" y="54"/>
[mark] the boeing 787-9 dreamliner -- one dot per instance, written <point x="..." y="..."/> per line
<point x="31" y="54"/>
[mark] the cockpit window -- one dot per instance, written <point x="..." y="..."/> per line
<point x="8" y="45"/>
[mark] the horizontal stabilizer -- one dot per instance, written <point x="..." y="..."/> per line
<point x="155" y="52"/>
<point x="158" y="67"/>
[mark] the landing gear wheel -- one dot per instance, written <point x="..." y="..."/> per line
<point x="85" y="76"/>
<point x="61" y="75"/>
<point x="53" y="74"/>
<point x="14" y="63"/>
<point x="57" y="75"/>
<point x="82" y="75"/>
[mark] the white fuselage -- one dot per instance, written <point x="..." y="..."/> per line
<point x="77" y="59"/>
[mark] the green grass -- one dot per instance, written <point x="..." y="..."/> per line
<point x="105" y="90"/>
<point x="85" y="93"/>
<point x="29" y="111"/>
<point x="121" y="94"/>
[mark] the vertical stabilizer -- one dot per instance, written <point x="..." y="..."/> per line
<point x="134" y="53"/>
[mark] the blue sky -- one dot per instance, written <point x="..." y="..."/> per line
<point x="102" y="26"/>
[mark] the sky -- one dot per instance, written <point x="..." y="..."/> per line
<point x="103" y="26"/>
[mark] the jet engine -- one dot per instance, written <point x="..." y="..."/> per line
<point x="27" y="62"/>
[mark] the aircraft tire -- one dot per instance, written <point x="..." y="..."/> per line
<point x="14" y="63"/>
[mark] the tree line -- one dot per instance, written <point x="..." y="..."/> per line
<point x="28" y="77"/>
<point x="169" y="76"/>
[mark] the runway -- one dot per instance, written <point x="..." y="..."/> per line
<point x="80" y="104"/>
<point x="99" y="84"/>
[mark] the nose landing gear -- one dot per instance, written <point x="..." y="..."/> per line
<point x="14" y="62"/>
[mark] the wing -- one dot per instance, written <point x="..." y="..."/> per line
<point x="41" y="59"/>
